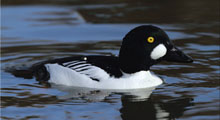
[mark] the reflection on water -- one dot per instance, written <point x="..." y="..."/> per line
<point x="99" y="95"/>
<point x="34" y="33"/>
<point x="152" y="109"/>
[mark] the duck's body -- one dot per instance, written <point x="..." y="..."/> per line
<point x="141" y="48"/>
<point x="95" y="72"/>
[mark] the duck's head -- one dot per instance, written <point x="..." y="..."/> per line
<point x="145" y="46"/>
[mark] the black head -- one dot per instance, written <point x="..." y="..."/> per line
<point x="145" y="46"/>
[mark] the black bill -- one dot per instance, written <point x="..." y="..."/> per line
<point x="176" y="55"/>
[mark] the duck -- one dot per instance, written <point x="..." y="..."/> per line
<point x="141" y="48"/>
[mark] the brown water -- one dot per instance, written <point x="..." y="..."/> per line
<point x="36" y="31"/>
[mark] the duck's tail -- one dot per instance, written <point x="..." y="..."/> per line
<point x="38" y="72"/>
<point x="26" y="74"/>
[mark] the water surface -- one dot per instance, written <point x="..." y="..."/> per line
<point x="32" y="32"/>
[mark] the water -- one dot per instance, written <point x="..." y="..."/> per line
<point x="32" y="32"/>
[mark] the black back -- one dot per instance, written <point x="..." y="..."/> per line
<point x="110" y="64"/>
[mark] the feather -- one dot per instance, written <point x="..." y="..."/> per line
<point x="83" y="67"/>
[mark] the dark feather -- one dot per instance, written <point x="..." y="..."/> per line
<point x="110" y="64"/>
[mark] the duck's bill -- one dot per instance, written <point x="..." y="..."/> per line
<point x="176" y="55"/>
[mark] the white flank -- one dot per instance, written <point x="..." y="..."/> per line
<point x="158" y="52"/>
<point x="67" y="76"/>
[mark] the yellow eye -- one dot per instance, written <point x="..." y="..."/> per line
<point x="150" y="39"/>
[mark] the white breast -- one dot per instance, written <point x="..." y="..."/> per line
<point x="66" y="76"/>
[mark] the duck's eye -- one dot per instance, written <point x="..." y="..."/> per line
<point x="150" y="39"/>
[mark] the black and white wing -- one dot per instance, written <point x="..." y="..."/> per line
<point x="95" y="67"/>
<point x="83" y="67"/>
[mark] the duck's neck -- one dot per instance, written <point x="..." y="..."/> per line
<point x="133" y="60"/>
<point x="133" y="65"/>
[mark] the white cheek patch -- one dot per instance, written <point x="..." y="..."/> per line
<point x="158" y="52"/>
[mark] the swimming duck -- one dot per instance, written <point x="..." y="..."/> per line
<point x="141" y="48"/>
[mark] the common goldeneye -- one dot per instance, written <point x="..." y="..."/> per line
<point x="141" y="48"/>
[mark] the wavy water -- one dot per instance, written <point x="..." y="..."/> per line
<point x="32" y="32"/>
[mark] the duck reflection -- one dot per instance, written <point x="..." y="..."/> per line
<point x="137" y="104"/>
<point x="154" y="109"/>
<point x="100" y="95"/>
